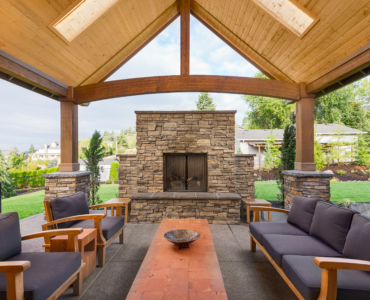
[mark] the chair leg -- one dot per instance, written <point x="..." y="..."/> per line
<point x="122" y="236"/>
<point x="101" y="256"/>
<point x="14" y="286"/>
<point x="253" y="245"/>
<point x="77" y="284"/>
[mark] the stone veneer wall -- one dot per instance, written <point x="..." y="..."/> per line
<point x="244" y="164"/>
<point x="307" y="184"/>
<point x="127" y="175"/>
<point x="61" y="184"/>
<point x="186" y="132"/>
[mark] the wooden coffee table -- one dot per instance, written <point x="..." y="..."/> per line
<point x="86" y="245"/>
<point x="170" y="273"/>
<point x="254" y="202"/>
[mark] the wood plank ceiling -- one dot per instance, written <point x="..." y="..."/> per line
<point x="343" y="28"/>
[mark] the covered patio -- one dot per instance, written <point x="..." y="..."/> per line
<point x="66" y="50"/>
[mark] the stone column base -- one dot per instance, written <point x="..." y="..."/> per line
<point x="307" y="184"/>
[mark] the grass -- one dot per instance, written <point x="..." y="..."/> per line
<point x="32" y="204"/>
<point x="357" y="191"/>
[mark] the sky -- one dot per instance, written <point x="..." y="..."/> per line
<point x="28" y="118"/>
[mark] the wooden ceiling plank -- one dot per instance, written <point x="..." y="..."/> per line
<point x="233" y="13"/>
<point x="134" y="46"/>
<point x="256" y="27"/>
<point x="233" y="41"/>
<point x="275" y="48"/>
<point x="245" y="19"/>
<point x="334" y="46"/>
<point x="275" y="27"/>
<point x="193" y="83"/>
<point x="274" y="39"/>
<point x="241" y="13"/>
<point x="250" y="23"/>
<point x="260" y="35"/>
<point x="13" y="69"/>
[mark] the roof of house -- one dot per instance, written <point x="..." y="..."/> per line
<point x="321" y="129"/>
<point x="50" y="147"/>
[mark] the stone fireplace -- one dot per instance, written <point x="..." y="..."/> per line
<point x="186" y="167"/>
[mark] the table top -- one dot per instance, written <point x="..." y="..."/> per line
<point x="256" y="201"/>
<point x="170" y="273"/>
<point x="84" y="234"/>
<point x="119" y="200"/>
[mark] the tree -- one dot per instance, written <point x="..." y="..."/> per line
<point x="130" y="131"/>
<point x="7" y="188"/>
<point x="17" y="162"/>
<point x="94" y="154"/>
<point x="31" y="150"/>
<point x="362" y="154"/>
<point x="272" y="152"/>
<point x="205" y="102"/>
<point x="288" y="156"/>
<point x="266" y="112"/>
<point x="319" y="154"/>
<point x="122" y="140"/>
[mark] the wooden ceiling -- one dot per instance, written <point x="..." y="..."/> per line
<point x="343" y="28"/>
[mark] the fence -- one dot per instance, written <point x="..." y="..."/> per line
<point x="30" y="179"/>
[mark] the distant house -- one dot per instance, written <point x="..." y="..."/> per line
<point x="47" y="152"/>
<point x="104" y="166"/>
<point x="253" y="141"/>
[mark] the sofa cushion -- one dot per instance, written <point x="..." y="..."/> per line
<point x="331" y="224"/>
<point x="257" y="229"/>
<point x="69" y="206"/>
<point x="10" y="235"/>
<point x="357" y="244"/>
<point x="110" y="225"/>
<point x="47" y="273"/>
<point x="279" y="245"/>
<point x="306" y="277"/>
<point x="302" y="211"/>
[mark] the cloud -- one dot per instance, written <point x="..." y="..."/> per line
<point x="28" y="118"/>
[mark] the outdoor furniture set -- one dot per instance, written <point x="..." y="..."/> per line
<point x="322" y="251"/>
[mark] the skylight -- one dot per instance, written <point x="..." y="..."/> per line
<point x="290" y="13"/>
<point x="80" y="16"/>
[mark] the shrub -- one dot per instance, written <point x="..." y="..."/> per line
<point x="28" y="179"/>
<point x="363" y="172"/>
<point x="344" y="203"/>
<point x="334" y="179"/>
<point x="341" y="172"/>
<point x="52" y="163"/>
<point x="109" y="181"/>
<point x="353" y="171"/>
<point x="114" y="171"/>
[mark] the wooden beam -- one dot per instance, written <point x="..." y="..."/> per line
<point x="30" y="78"/>
<point x="185" y="37"/>
<point x="69" y="135"/>
<point x="238" y="45"/>
<point x="133" y="47"/>
<point x="193" y="83"/>
<point x="345" y="70"/>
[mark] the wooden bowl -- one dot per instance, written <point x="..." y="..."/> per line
<point x="182" y="237"/>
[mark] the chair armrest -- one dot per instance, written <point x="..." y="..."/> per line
<point x="107" y="205"/>
<point x="265" y="208"/>
<point x="51" y="233"/>
<point x="14" y="266"/>
<point x="330" y="263"/>
<point x="75" y="218"/>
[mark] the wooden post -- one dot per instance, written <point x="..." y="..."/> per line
<point x="185" y="36"/>
<point x="69" y="134"/>
<point x="259" y="156"/>
<point x="305" y="158"/>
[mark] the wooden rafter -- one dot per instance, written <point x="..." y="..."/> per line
<point x="236" y="43"/>
<point x="138" y="43"/>
<point x="185" y="36"/>
<point x="193" y="83"/>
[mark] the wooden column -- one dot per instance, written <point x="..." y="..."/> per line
<point x="305" y="159"/>
<point x="69" y="134"/>
<point x="185" y="37"/>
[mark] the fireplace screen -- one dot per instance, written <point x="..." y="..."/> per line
<point x="185" y="172"/>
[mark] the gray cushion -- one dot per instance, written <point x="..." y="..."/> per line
<point x="257" y="229"/>
<point x="302" y="211"/>
<point x="10" y="235"/>
<point x="279" y="245"/>
<point x="306" y="277"/>
<point x="110" y="225"/>
<point x="69" y="206"/>
<point x="357" y="244"/>
<point x="331" y="224"/>
<point x="47" y="273"/>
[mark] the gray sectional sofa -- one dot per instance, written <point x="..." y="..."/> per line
<point x="322" y="251"/>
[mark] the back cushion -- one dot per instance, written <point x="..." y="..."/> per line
<point x="10" y="236"/>
<point x="357" y="244"/>
<point x="331" y="224"/>
<point x="302" y="211"/>
<point x="69" y="206"/>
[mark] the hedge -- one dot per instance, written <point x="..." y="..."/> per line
<point x="30" y="178"/>
<point x="114" y="170"/>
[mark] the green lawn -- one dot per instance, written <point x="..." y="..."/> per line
<point x="32" y="204"/>
<point x="358" y="191"/>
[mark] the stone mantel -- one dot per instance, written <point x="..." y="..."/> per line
<point x="308" y="174"/>
<point x="185" y="196"/>
<point x="182" y="112"/>
<point x="75" y="174"/>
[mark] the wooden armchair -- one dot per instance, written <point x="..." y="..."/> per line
<point x="108" y="227"/>
<point x="26" y="273"/>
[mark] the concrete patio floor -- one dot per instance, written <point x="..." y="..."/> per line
<point x="246" y="275"/>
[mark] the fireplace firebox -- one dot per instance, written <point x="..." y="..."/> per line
<point x="185" y="172"/>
